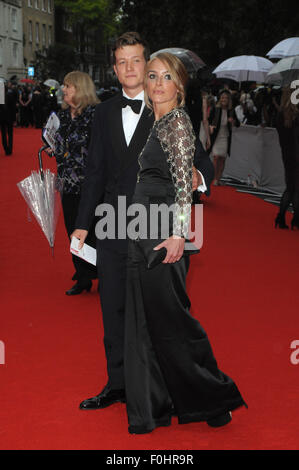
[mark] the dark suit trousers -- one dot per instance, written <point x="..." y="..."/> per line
<point x="7" y="136"/>
<point x="112" y="266"/>
<point x="84" y="270"/>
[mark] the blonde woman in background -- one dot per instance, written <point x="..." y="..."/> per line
<point x="72" y="142"/>
<point x="221" y="120"/>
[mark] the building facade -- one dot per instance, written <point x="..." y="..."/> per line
<point x="38" y="28"/>
<point x="11" y="39"/>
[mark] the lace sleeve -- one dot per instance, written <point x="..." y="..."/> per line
<point x="176" y="136"/>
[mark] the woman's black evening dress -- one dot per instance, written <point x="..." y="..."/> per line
<point x="169" y="364"/>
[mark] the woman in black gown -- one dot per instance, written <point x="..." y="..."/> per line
<point x="170" y="368"/>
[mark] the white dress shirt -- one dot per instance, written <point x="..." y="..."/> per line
<point x="130" y="119"/>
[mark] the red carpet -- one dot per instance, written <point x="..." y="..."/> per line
<point x="244" y="290"/>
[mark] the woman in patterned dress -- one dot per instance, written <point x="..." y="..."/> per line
<point x="72" y="142"/>
<point x="170" y="368"/>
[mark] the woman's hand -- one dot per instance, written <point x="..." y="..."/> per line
<point x="175" y="249"/>
<point x="49" y="151"/>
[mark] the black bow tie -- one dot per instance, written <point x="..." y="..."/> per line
<point x="135" y="104"/>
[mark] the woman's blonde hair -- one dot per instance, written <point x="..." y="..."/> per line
<point x="85" y="90"/>
<point x="230" y="102"/>
<point x="177" y="72"/>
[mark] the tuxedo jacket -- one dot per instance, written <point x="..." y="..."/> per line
<point x="112" y="166"/>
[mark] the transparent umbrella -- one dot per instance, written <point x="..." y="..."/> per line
<point x="191" y="60"/>
<point x="52" y="83"/>
<point x="41" y="191"/>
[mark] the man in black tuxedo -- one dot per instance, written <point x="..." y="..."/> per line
<point x="120" y="130"/>
<point x="7" y="118"/>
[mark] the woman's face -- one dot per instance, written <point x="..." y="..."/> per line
<point x="69" y="92"/>
<point x="224" y="100"/>
<point x="161" y="88"/>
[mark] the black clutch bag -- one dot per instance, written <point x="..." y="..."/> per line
<point x="155" y="257"/>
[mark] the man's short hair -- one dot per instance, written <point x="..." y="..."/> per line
<point x="131" y="38"/>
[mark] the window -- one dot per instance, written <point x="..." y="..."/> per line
<point x="67" y="25"/>
<point x="14" y="19"/>
<point x="30" y="31"/>
<point x="30" y="3"/>
<point x="44" y="5"/>
<point x="15" y="53"/>
<point x="50" y="6"/>
<point x="1" y="52"/>
<point x="50" y="35"/>
<point x="37" y="33"/>
<point x="44" y="35"/>
<point x="37" y="4"/>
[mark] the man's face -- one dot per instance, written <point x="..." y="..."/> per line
<point x="129" y="68"/>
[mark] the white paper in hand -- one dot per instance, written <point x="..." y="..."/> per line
<point x="50" y="130"/>
<point x="87" y="253"/>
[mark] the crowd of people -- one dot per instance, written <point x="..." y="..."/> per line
<point x="31" y="104"/>
<point x="213" y="113"/>
<point x="254" y="104"/>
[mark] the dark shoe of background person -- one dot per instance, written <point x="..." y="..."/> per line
<point x="106" y="398"/>
<point x="280" y="221"/>
<point x="78" y="288"/>
<point x="294" y="223"/>
<point x="220" y="420"/>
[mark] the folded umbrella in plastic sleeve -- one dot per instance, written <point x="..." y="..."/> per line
<point x="41" y="191"/>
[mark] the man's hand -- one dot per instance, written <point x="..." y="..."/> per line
<point x="81" y="235"/>
<point x="196" y="179"/>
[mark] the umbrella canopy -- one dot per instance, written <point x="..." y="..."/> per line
<point x="191" y="61"/>
<point x="41" y="191"/>
<point x="284" y="72"/>
<point x="286" y="48"/>
<point x="244" y="68"/>
<point x="52" y="83"/>
<point x="27" y="80"/>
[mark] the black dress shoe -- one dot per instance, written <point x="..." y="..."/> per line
<point x="78" y="288"/>
<point x="106" y="398"/>
<point x="220" y="420"/>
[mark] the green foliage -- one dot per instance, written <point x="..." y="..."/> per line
<point x="93" y="13"/>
